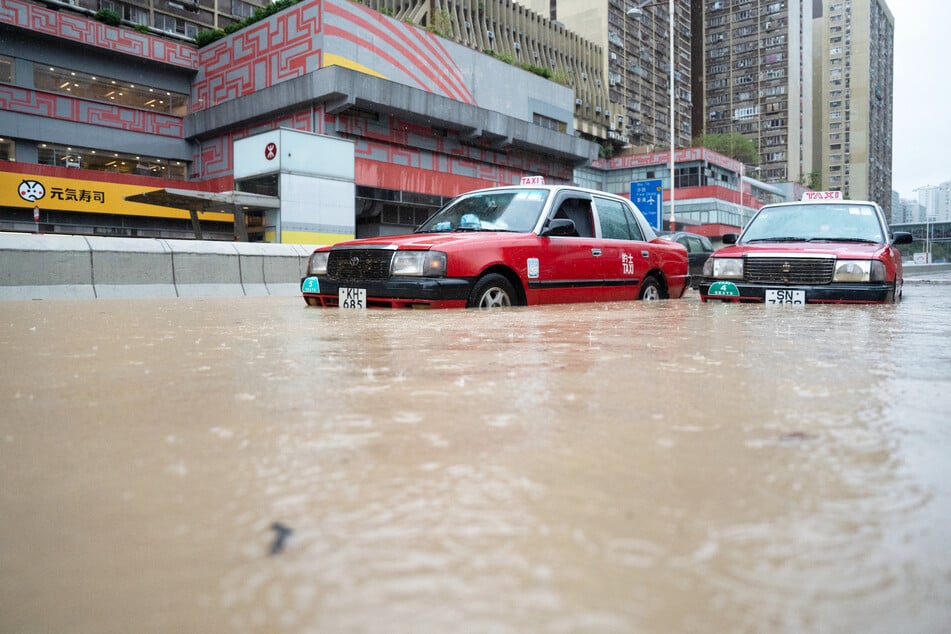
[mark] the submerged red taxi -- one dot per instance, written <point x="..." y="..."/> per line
<point x="827" y="250"/>
<point x="505" y="246"/>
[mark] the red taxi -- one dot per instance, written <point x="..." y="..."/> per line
<point x="505" y="246"/>
<point x="821" y="250"/>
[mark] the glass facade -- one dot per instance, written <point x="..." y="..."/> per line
<point x="107" y="90"/>
<point x="106" y="161"/>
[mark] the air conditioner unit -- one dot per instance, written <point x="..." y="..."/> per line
<point x="518" y="46"/>
<point x="578" y="102"/>
<point x="490" y="34"/>
<point x="597" y="109"/>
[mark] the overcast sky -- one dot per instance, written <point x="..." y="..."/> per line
<point x="921" y="143"/>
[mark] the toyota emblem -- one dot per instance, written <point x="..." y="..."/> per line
<point x="354" y="261"/>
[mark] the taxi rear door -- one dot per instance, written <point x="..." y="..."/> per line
<point x="625" y="255"/>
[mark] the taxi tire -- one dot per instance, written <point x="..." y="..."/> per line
<point x="492" y="291"/>
<point x="650" y="289"/>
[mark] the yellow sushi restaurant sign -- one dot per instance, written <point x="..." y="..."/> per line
<point x="70" y="194"/>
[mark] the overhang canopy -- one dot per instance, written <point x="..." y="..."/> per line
<point x="232" y="202"/>
<point x="226" y="202"/>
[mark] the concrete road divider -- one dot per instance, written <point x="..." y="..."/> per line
<point x="87" y="267"/>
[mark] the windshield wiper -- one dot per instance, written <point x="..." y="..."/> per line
<point x="779" y="239"/>
<point x="863" y="240"/>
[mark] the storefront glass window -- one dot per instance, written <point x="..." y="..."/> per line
<point x="96" y="88"/>
<point x="105" y="161"/>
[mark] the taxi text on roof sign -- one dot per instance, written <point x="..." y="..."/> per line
<point x="533" y="180"/>
<point x="822" y="196"/>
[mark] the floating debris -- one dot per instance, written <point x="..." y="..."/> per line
<point x="281" y="533"/>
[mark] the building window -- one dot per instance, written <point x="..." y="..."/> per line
<point x="7" y="150"/>
<point x="106" y="161"/>
<point x="242" y="9"/>
<point x="549" y="123"/>
<point x="97" y="88"/>
<point x="171" y="24"/>
<point x="129" y="13"/>
<point x="6" y="69"/>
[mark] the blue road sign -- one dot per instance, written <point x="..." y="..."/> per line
<point x="649" y="198"/>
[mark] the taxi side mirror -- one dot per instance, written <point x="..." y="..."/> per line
<point x="903" y="237"/>
<point x="560" y="227"/>
<point x="730" y="238"/>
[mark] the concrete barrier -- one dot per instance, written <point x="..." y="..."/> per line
<point x="81" y="267"/>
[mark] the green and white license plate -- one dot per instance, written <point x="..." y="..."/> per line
<point x="784" y="296"/>
<point x="352" y="297"/>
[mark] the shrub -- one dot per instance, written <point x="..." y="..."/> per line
<point x="208" y="36"/>
<point x="108" y="16"/>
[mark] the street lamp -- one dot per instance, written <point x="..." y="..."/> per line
<point x="928" y="221"/>
<point x="638" y="10"/>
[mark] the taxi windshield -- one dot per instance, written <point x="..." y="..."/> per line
<point x="839" y="222"/>
<point x="498" y="210"/>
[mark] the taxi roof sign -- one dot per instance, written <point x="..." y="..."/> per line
<point x="830" y="195"/>
<point x="533" y="180"/>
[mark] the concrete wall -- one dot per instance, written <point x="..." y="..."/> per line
<point x="80" y="267"/>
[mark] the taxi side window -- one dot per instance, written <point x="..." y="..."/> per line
<point x="617" y="223"/>
<point x="579" y="212"/>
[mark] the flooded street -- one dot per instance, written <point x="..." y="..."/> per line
<point x="632" y="467"/>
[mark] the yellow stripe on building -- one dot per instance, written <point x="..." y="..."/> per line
<point x="308" y="237"/>
<point x="336" y="60"/>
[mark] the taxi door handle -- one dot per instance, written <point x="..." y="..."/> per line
<point x="596" y="253"/>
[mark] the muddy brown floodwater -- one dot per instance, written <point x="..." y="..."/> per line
<point x="253" y="465"/>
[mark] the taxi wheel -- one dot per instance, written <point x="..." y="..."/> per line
<point x="650" y="289"/>
<point x="492" y="291"/>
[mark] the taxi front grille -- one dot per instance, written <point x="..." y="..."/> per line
<point x="779" y="270"/>
<point x="359" y="265"/>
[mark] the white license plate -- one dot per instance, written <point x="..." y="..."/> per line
<point x="352" y="297"/>
<point x="783" y="296"/>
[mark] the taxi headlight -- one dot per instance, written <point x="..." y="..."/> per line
<point x="723" y="268"/>
<point x="419" y="263"/>
<point x="852" y="271"/>
<point x="877" y="272"/>
<point x="317" y="265"/>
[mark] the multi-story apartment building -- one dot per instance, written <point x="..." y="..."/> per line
<point x="635" y="37"/>
<point x="754" y="76"/>
<point x="854" y="47"/>
<point x="935" y="203"/>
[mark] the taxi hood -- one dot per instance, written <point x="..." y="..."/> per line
<point x="843" y="250"/>
<point x="422" y="241"/>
